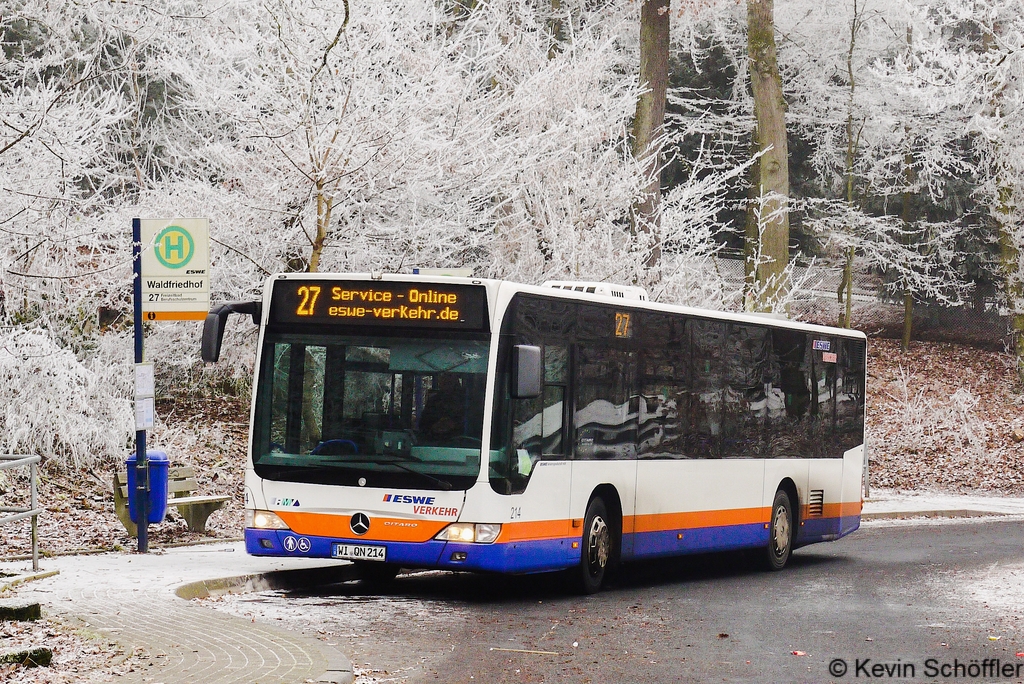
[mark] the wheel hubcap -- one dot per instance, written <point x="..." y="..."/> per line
<point x="781" y="537"/>
<point x="599" y="544"/>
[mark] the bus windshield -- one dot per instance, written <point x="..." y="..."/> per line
<point x="370" y="411"/>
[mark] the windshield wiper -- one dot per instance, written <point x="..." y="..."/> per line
<point x="443" y="484"/>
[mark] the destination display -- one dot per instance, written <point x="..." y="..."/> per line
<point x="417" y="305"/>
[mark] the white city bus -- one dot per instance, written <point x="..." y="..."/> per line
<point x="469" y="424"/>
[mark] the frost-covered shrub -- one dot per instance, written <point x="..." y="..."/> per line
<point x="935" y="425"/>
<point x="74" y="414"/>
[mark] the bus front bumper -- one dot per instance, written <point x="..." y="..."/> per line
<point x="513" y="557"/>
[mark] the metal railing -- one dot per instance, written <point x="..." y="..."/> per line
<point x="8" y="461"/>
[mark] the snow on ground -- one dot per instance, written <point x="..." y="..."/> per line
<point x="883" y="501"/>
<point x="1000" y="587"/>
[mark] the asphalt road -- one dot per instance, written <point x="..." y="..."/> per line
<point x="921" y="602"/>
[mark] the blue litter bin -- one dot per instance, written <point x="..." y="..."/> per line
<point x="157" y="503"/>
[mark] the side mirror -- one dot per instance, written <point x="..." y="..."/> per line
<point x="527" y="371"/>
<point x="213" y="326"/>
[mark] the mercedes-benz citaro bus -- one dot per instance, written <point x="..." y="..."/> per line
<point x="400" y="421"/>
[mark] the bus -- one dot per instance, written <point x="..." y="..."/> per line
<point x="402" y="421"/>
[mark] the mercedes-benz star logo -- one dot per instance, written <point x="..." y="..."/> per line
<point x="360" y="523"/>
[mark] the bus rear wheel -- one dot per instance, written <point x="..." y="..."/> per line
<point x="596" y="548"/>
<point x="780" y="533"/>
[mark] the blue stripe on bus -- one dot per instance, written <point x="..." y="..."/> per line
<point x="516" y="557"/>
<point x="698" y="540"/>
<point x="817" y="529"/>
<point x="526" y="556"/>
<point x="848" y="524"/>
<point x="826" y="529"/>
<point x="519" y="556"/>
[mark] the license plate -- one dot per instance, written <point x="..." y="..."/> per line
<point x="354" y="552"/>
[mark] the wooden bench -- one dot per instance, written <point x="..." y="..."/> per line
<point x="181" y="484"/>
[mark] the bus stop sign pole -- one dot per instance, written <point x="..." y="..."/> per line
<point x="141" y="492"/>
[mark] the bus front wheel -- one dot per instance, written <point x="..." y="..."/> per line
<point x="597" y="547"/>
<point x="780" y="533"/>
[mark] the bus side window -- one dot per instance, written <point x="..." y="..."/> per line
<point x="664" y="387"/>
<point x="556" y="380"/>
<point x="530" y="429"/>
<point x="538" y="423"/>
<point x="850" y="396"/>
<point x="704" y="433"/>
<point x="789" y="434"/>
<point x="745" y="398"/>
<point x="606" y="408"/>
<point x="824" y="360"/>
<point x="527" y="431"/>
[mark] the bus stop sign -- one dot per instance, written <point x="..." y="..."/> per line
<point x="175" y="269"/>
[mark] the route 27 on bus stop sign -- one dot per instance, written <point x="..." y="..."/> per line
<point x="175" y="269"/>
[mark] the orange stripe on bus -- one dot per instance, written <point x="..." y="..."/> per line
<point x="693" y="519"/>
<point x="535" y="529"/>
<point x="405" y="530"/>
<point x="844" y="509"/>
<point x="381" y="529"/>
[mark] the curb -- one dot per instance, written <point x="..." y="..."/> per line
<point x="339" y="667"/>
<point x="952" y="513"/>
<point x="21" y="579"/>
<point x="86" y="552"/>
<point x="267" y="581"/>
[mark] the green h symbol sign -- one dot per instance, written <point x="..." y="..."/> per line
<point x="174" y="244"/>
<point x="174" y="247"/>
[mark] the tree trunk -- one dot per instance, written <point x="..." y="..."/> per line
<point x="908" y="319"/>
<point x="324" y="205"/>
<point x="852" y="143"/>
<point x="773" y="177"/>
<point x="1009" y="261"/>
<point x="649" y="121"/>
<point x="909" y="178"/>
<point x="846" y="316"/>
<point x="1009" y="240"/>
<point x="751" y="237"/>
<point x="555" y="28"/>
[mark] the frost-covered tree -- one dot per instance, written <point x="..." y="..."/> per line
<point x="888" y="143"/>
<point x="492" y="135"/>
<point x="989" y="68"/>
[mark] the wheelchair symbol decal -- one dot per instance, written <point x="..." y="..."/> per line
<point x="301" y="543"/>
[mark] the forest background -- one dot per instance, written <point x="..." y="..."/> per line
<point x="497" y="135"/>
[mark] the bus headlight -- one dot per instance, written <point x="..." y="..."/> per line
<point x="264" y="520"/>
<point x="479" y="533"/>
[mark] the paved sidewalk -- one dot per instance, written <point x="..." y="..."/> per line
<point x="131" y="598"/>
<point x="887" y="504"/>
